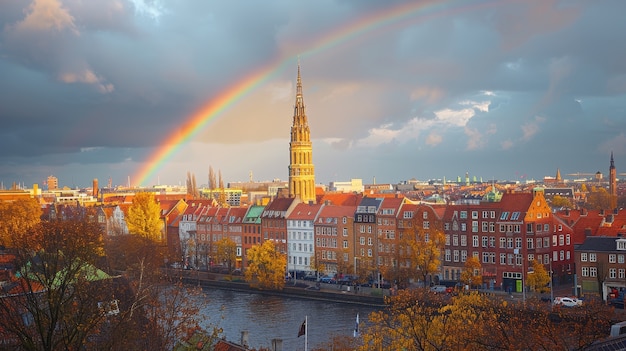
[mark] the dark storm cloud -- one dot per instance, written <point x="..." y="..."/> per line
<point x="487" y="87"/>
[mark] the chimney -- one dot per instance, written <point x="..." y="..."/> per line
<point x="244" y="338"/>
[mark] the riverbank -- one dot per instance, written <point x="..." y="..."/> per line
<point x="327" y="292"/>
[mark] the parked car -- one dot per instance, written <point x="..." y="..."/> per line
<point x="568" y="301"/>
<point x="439" y="289"/>
<point x="328" y="279"/>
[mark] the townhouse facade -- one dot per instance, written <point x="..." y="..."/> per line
<point x="601" y="268"/>
<point x="274" y="221"/>
<point x="366" y="248"/>
<point x="251" y="230"/>
<point x="300" y="238"/>
<point x="505" y="236"/>
<point x="334" y="239"/>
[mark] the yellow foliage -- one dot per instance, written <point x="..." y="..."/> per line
<point x="17" y="218"/>
<point x="266" y="266"/>
<point x="539" y="279"/>
<point x="144" y="217"/>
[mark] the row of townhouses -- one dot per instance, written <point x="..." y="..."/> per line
<point x="352" y="233"/>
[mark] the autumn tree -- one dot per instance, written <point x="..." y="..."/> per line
<point x="266" y="266"/>
<point x="422" y="251"/>
<point x="56" y="306"/>
<point x="17" y="217"/>
<point x="144" y="216"/>
<point x="598" y="199"/>
<point x="417" y="320"/>
<point x="226" y="252"/>
<point x="471" y="274"/>
<point x="212" y="179"/>
<point x="539" y="278"/>
<point x="561" y="202"/>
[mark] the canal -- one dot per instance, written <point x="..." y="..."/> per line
<point x="267" y="317"/>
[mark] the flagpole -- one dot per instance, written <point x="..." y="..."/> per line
<point x="306" y="333"/>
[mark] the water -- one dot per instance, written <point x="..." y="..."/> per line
<point x="272" y="317"/>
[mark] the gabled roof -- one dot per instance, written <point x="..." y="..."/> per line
<point x="332" y="211"/>
<point x="391" y="203"/>
<point x="345" y="199"/>
<point x="304" y="211"/>
<point x="254" y="214"/>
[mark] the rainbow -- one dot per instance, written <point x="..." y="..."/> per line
<point x="374" y="22"/>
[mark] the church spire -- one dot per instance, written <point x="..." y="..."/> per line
<point x="301" y="169"/>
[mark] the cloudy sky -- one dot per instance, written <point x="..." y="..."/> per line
<point x="394" y="90"/>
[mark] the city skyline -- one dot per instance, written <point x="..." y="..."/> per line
<point x="145" y="91"/>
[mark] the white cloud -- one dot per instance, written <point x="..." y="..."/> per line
<point x="87" y="76"/>
<point x="46" y="15"/>
<point x="457" y="118"/>
<point x="150" y="8"/>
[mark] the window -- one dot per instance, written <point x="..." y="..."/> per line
<point x="612" y="258"/>
<point x="492" y="241"/>
<point x="567" y="239"/>
<point x="546" y="242"/>
<point x="425" y="215"/>
<point x="463" y="227"/>
<point x="612" y="273"/>
<point x="509" y="243"/>
<point x="585" y="271"/>
<point x="593" y="271"/>
<point x="463" y="215"/>
<point x="456" y="255"/>
<point x="592" y="257"/>
<point x="504" y="215"/>
<point x="474" y="226"/>
<point x="485" y="257"/>
<point x="463" y="240"/>
<point x="539" y="240"/>
<point x="448" y="256"/>
<point x="362" y="240"/>
<point x="502" y="243"/>
<point x="529" y="228"/>
<point x="529" y="243"/>
<point x="515" y="216"/>
<point x="426" y="224"/>
<point x="345" y="244"/>
<point x="546" y="227"/>
<point x="621" y="273"/>
<point x="502" y="258"/>
<point x="474" y="214"/>
<point x="475" y="240"/>
<point x="485" y="241"/>
<point x="455" y="240"/>
<point x="485" y="214"/>
<point x="518" y="243"/>
<point x="485" y="227"/>
<point x="448" y="239"/>
<point x="369" y="241"/>
<point x="554" y="240"/>
<point x="620" y="258"/>
<point x="463" y="255"/>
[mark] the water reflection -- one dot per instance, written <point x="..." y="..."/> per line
<point x="272" y="317"/>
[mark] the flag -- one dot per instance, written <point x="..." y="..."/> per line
<point x="302" y="330"/>
<point x="356" y="326"/>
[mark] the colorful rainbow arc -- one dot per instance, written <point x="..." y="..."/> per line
<point x="234" y="93"/>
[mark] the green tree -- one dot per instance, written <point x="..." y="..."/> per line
<point x="226" y="253"/>
<point x="539" y="278"/>
<point x="266" y="266"/>
<point x="17" y="217"/>
<point x="144" y="217"/>
<point x="471" y="274"/>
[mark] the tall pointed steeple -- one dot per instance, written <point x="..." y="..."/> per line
<point x="613" y="183"/>
<point x="301" y="169"/>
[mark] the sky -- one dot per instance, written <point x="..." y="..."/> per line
<point x="145" y="92"/>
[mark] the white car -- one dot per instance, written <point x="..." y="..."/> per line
<point x="568" y="301"/>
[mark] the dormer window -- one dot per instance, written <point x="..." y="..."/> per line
<point x="621" y="244"/>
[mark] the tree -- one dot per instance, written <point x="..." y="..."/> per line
<point x="144" y="217"/>
<point x="226" y="252"/>
<point x="192" y="189"/>
<point x="598" y="199"/>
<point x="16" y="217"/>
<point x="471" y="274"/>
<point x="212" y="179"/>
<point x="539" y="278"/>
<point x="561" y="201"/>
<point x="56" y="306"/>
<point x="422" y="252"/>
<point x="266" y="266"/>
